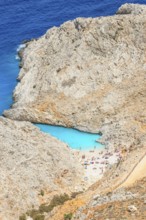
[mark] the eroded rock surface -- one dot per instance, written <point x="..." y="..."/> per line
<point x="31" y="163"/>
<point x="135" y="9"/>
<point x="88" y="74"/>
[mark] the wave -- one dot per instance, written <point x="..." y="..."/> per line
<point x="21" y="46"/>
<point x="17" y="57"/>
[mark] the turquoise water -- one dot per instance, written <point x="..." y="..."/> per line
<point x="74" y="138"/>
<point x="22" y="20"/>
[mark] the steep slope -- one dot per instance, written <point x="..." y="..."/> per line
<point x="88" y="74"/>
<point x="127" y="204"/>
<point x="109" y="198"/>
<point x="33" y="167"/>
<point x="138" y="173"/>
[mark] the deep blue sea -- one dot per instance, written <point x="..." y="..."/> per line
<point x="26" y="19"/>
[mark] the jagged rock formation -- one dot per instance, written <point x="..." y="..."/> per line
<point x="88" y="74"/>
<point x="31" y="161"/>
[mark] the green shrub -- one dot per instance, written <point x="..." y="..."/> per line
<point x="74" y="194"/>
<point x="57" y="200"/>
<point x="37" y="214"/>
<point x="39" y="217"/>
<point x="22" y="217"/>
<point x="45" y="208"/>
<point x="68" y="216"/>
<point x="33" y="213"/>
<point x="42" y="193"/>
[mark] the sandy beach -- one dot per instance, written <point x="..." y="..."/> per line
<point x="95" y="162"/>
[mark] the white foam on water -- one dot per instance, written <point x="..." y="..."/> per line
<point x="21" y="46"/>
<point x="17" y="57"/>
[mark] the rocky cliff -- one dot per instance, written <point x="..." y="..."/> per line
<point x="88" y="74"/>
<point x="135" y="9"/>
<point x="33" y="168"/>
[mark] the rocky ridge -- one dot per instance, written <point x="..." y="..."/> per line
<point x="88" y="74"/>
<point x="30" y="163"/>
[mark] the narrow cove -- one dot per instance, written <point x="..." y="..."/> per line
<point x="76" y="139"/>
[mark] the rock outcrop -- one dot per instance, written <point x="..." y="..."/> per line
<point x="88" y="74"/>
<point x="135" y="9"/>
<point x="31" y="163"/>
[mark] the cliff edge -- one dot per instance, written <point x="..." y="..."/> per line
<point x="88" y="74"/>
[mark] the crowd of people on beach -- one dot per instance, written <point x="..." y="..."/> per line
<point x="95" y="162"/>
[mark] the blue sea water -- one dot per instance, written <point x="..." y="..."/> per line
<point x="26" y="19"/>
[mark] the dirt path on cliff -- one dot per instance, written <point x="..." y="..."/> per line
<point x="138" y="173"/>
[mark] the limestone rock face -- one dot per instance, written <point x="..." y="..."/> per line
<point x="31" y="161"/>
<point x="135" y="9"/>
<point x="88" y="74"/>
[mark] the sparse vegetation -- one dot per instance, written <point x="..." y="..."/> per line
<point x="37" y="214"/>
<point x="42" y="193"/>
<point x="74" y="194"/>
<point x="68" y="216"/>
<point x="39" y="217"/>
<point x="33" y="213"/>
<point x="22" y="217"/>
<point x="45" y="208"/>
<point x="57" y="200"/>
